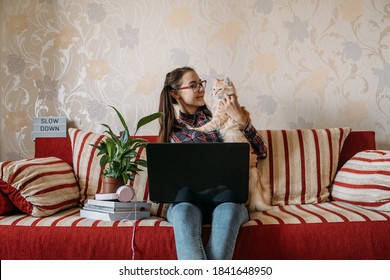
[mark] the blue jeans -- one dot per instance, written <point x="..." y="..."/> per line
<point x="187" y="218"/>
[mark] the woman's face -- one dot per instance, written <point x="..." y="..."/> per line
<point x="190" y="96"/>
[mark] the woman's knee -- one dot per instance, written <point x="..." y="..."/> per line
<point x="183" y="210"/>
<point x="233" y="210"/>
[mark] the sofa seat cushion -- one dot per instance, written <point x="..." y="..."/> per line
<point x="328" y="212"/>
<point x="39" y="187"/>
<point x="71" y="218"/>
<point x="301" y="164"/>
<point x="364" y="180"/>
<point x="284" y="232"/>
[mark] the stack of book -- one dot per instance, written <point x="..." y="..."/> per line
<point x="110" y="210"/>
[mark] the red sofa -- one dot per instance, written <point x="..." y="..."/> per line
<point x="328" y="230"/>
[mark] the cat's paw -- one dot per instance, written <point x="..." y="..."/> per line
<point x="256" y="203"/>
<point x="251" y="208"/>
<point x="258" y="207"/>
<point x="262" y="207"/>
<point x="190" y="127"/>
<point x="198" y="129"/>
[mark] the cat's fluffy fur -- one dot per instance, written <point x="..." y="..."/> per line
<point x="259" y="198"/>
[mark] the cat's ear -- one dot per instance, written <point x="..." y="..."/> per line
<point x="228" y="81"/>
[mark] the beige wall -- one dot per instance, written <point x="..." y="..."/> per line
<point x="296" y="63"/>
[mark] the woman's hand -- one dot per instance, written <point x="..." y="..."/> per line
<point x="231" y="107"/>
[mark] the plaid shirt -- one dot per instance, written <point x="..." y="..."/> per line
<point x="181" y="134"/>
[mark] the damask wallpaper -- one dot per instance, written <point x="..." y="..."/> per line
<point x="295" y="63"/>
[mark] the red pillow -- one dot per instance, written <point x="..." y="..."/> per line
<point x="6" y="206"/>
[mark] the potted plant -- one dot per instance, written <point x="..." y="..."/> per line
<point x="119" y="153"/>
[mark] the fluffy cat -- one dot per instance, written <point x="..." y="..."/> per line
<point x="259" y="198"/>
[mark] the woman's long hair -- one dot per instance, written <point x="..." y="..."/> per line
<point x="173" y="81"/>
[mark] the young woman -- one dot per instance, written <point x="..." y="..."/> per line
<point x="186" y="90"/>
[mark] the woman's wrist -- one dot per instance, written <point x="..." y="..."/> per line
<point x="245" y="127"/>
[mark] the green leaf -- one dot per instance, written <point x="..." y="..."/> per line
<point x="147" y="119"/>
<point x="141" y="162"/>
<point x="122" y="120"/>
<point x="111" y="134"/>
<point x="104" y="160"/>
<point x="124" y="137"/>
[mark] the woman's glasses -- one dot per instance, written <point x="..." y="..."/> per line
<point x="195" y="86"/>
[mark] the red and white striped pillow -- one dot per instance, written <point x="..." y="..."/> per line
<point x="301" y="164"/>
<point x="364" y="181"/>
<point x="89" y="173"/>
<point x="86" y="162"/>
<point x="40" y="186"/>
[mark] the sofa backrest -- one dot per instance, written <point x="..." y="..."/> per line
<point x="355" y="142"/>
<point x="61" y="147"/>
<point x="54" y="147"/>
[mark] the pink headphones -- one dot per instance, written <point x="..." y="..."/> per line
<point x="124" y="193"/>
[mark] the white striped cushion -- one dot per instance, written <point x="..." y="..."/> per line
<point x="89" y="173"/>
<point x="41" y="186"/>
<point x="86" y="163"/>
<point x="364" y="180"/>
<point x="301" y="164"/>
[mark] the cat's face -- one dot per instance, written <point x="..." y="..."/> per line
<point x="222" y="89"/>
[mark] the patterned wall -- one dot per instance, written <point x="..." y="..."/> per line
<point x="296" y="63"/>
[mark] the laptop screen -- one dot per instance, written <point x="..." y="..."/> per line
<point x="198" y="172"/>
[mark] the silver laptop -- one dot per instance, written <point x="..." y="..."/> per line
<point x="198" y="172"/>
